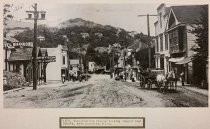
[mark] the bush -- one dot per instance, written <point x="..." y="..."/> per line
<point x="13" y="80"/>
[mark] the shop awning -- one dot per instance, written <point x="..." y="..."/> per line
<point x="185" y="61"/>
<point x="176" y="59"/>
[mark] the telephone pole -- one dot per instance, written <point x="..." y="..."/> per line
<point x="34" y="52"/>
<point x="148" y="41"/>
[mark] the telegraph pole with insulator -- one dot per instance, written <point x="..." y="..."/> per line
<point x="34" y="52"/>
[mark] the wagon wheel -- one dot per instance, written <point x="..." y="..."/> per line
<point x="149" y="83"/>
<point x="142" y="81"/>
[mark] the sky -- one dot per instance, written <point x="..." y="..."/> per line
<point x="118" y="15"/>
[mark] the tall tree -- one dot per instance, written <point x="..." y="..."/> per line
<point x="200" y="30"/>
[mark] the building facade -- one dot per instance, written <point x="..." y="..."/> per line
<point x="174" y="42"/>
<point x="161" y="38"/>
<point x="55" y="69"/>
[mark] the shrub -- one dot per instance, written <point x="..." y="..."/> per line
<point x="13" y="80"/>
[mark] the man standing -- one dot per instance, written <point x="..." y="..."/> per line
<point x="182" y="78"/>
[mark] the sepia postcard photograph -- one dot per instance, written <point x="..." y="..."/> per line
<point x="139" y="56"/>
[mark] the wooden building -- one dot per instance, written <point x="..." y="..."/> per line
<point x="174" y="41"/>
<point x="20" y="61"/>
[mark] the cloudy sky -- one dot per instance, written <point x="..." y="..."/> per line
<point x="118" y="15"/>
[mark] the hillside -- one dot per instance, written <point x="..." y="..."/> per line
<point x="12" y="24"/>
<point x="15" y="27"/>
<point x="80" y="32"/>
<point x="78" y="22"/>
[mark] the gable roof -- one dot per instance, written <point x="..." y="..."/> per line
<point x="187" y="13"/>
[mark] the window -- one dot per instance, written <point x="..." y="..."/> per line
<point x="166" y="41"/>
<point x="160" y="15"/>
<point x="161" y="42"/>
<point x="162" y="63"/>
<point x="64" y="61"/>
<point x="174" y="42"/>
<point x="157" y="44"/>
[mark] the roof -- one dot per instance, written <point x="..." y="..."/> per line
<point x="21" y="54"/>
<point x="178" y="59"/>
<point x="185" y="61"/>
<point x="187" y="13"/>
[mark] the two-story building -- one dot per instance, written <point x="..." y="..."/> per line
<point x="162" y="45"/>
<point x="175" y="41"/>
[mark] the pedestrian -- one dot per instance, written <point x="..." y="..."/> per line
<point x="63" y="77"/>
<point x="182" y="78"/>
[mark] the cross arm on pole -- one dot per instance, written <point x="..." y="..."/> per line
<point x="147" y="15"/>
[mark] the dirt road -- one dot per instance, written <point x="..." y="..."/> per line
<point x="101" y="91"/>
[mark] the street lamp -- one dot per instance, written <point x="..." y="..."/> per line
<point x="35" y="13"/>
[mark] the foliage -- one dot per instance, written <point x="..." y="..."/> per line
<point x="97" y="36"/>
<point x="101" y="59"/>
<point x="13" y="80"/>
<point x="7" y="13"/>
<point x="200" y="59"/>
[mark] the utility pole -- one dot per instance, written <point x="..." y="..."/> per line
<point x="34" y="52"/>
<point x="148" y="41"/>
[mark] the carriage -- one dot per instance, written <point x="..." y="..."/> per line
<point x="156" y="77"/>
<point x="147" y="78"/>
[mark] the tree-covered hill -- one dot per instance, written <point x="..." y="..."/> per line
<point x="79" y="32"/>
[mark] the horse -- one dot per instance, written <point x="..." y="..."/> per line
<point x="161" y="81"/>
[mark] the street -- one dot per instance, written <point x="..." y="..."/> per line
<point x="100" y="91"/>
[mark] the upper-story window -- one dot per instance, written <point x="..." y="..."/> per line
<point x="64" y="60"/>
<point x="157" y="44"/>
<point x="166" y="41"/>
<point x="173" y="39"/>
<point x="160" y="17"/>
<point x="161" y="42"/>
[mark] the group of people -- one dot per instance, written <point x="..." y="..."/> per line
<point x="123" y="75"/>
<point x="73" y="76"/>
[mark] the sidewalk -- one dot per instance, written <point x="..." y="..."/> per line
<point x="195" y="89"/>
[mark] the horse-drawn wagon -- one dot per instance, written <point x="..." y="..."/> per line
<point x="148" y="78"/>
<point x="157" y="78"/>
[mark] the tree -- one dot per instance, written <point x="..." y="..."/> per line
<point x="8" y="9"/>
<point x="7" y="13"/>
<point x="200" y="59"/>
